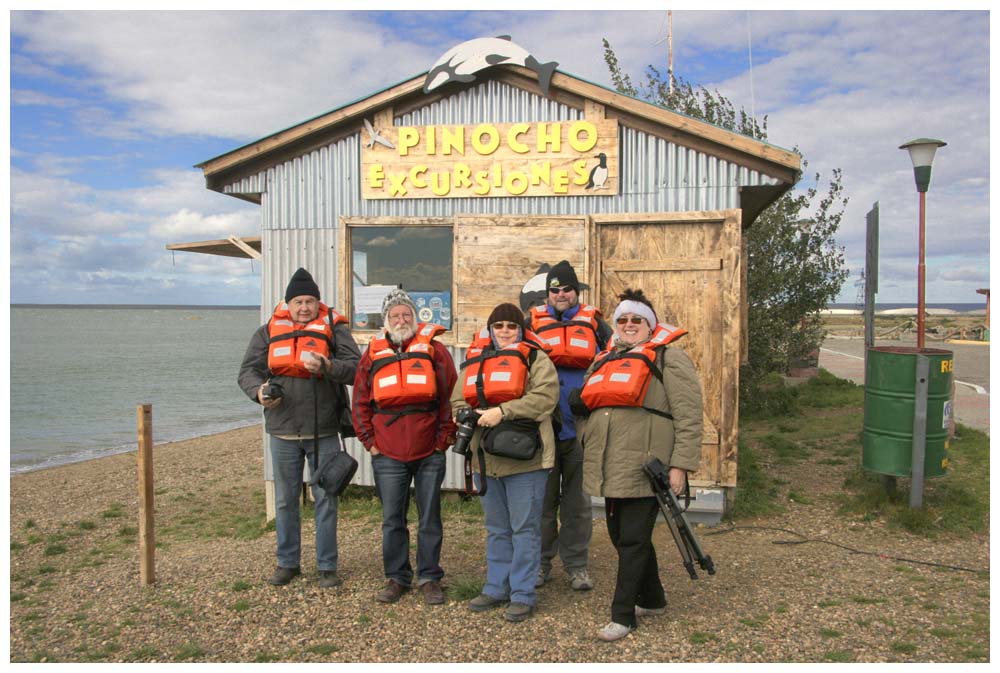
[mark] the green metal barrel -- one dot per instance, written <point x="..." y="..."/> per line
<point x="890" y="395"/>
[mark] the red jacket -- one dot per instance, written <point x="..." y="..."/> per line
<point x="413" y="436"/>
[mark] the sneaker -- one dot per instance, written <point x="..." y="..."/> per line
<point x="580" y="580"/>
<point x="283" y="576"/>
<point x="483" y="602"/>
<point x="433" y="595"/>
<point x="543" y="576"/>
<point x="518" y="612"/>
<point x="392" y="592"/>
<point x="649" y="612"/>
<point x="613" y="631"/>
<point x="328" y="579"/>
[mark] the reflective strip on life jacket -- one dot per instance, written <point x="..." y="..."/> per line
<point x="401" y="379"/>
<point x="289" y="344"/>
<point x="621" y="379"/>
<point x="569" y="343"/>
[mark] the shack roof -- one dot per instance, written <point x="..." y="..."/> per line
<point x="779" y="163"/>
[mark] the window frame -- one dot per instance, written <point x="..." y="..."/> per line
<point x="346" y="290"/>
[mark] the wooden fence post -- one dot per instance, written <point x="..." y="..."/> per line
<point x="147" y="575"/>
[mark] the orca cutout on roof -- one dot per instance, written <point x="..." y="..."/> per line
<point x="459" y="63"/>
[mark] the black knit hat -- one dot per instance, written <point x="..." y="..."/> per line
<point x="301" y="284"/>
<point x="507" y="312"/>
<point x="560" y="275"/>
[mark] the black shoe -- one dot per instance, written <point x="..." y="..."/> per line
<point x="283" y="576"/>
<point x="328" y="579"/>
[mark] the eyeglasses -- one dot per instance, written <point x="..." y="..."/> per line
<point x="557" y="290"/>
<point x="635" y="320"/>
<point x="505" y="325"/>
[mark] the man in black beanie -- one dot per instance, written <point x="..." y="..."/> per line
<point x="306" y="348"/>
<point x="573" y="334"/>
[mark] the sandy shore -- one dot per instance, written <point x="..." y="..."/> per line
<point x="75" y="593"/>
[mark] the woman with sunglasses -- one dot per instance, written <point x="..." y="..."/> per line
<point x="641" y="400"/>
<point x="512" y="385"/>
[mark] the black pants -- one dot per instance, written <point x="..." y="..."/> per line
<point x="630" y="526"/>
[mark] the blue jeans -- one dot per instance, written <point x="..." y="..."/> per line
<point x="513" y="508"/>
<point x="287" y="460"/>
<point x="392" y="484"/>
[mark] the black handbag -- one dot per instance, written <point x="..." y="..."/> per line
<point x="518" y="439"/>
<point x="335" y="473"/>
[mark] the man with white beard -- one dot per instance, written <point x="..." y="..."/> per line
<point x="402" y="416"/>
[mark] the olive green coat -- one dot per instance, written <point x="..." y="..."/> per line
<point x="537" y="403"/>
<point x="618" y="441"/>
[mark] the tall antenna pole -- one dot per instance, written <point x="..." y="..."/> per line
<point x="670" y="50"/>
<point x="753" y="112"/>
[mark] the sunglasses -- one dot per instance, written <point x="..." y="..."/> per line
<point x="557" y="290"/>
<point x="505" y="325"/>
<point x="635" y="320"/>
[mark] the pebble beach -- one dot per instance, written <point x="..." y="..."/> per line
<point x="75" y="592"/>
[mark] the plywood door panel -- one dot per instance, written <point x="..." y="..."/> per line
<point x="691" y="271"/>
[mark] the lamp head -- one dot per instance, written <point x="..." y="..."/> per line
<point x="922" y="155"/>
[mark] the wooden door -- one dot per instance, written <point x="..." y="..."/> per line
<point x="689" y="265"/>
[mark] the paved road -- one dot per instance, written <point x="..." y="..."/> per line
<point x="844" y="357"/>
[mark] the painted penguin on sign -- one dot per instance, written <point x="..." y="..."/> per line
<point x="459" y="63"/>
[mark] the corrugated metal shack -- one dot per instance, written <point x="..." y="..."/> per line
<point x="476" y="185"/>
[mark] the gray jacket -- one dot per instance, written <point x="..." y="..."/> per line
<point x="294" y="416"/>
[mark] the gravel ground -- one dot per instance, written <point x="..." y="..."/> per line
<point x="75" y="593"/>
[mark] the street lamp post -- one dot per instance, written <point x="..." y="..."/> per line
<point x="922" y="155"/>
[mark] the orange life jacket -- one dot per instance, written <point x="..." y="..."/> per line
<point x="400" y="379"/>
<point x="288" y="343"/>
<point x="569" y="343"/>
<point x="621" y="379"/>
<point x="493" y="377"/>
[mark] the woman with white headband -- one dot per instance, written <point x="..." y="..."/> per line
<point x="641" y="400"/>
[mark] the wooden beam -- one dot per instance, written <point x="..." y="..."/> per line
<point x="238" y="242"/>
<point x="675" y="264"/>
<point x="223" y="247"/>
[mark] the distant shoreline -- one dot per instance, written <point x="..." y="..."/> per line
<point x="213" y="307"/>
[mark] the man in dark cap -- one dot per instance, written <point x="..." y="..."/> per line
<point x="573" y="334"/>
<point x="306" y="348"/>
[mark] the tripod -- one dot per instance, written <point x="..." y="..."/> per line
<point x="687" y="543"/>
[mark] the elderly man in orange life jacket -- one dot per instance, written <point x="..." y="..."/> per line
<point x="402" y="415"/>
<point x="573" y="334"/>
<point x="306" y="349"/>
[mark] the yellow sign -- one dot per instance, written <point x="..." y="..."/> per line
<point x="564" y="158"/>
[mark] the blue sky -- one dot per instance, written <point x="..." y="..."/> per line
<point x="110" y="110"/>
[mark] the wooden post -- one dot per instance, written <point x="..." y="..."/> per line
<point x="146" y="541"/>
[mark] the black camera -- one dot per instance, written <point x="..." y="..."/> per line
<point x="272" y="391"/>
<point x="466" y="418"/>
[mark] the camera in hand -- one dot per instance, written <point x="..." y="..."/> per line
<point x="466" y="419"/>
<point x="272" y="391"/>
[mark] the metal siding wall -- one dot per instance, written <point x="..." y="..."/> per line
<point x="303" y="199"/>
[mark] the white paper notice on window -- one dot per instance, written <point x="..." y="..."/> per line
<point x="369" y="299"/>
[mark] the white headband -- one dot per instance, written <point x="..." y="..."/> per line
<point x="638" y="308"/>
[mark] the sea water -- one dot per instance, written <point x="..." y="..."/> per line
<point x="78" y="374"/>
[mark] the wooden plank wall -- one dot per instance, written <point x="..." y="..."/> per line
<point x="495" y="255"/>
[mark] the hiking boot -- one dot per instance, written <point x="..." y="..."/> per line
<point x="433" y="595"/>
<point x="483" y="602"/>
<point x="283" y="576"/>
<point x="328" y="579"/>
<point x="649" y="612"/>
<point x="580" y="580"/>
<point x="613" y="631"/>
<point x="392" y="592"/>
<point x="518" y="612"/>
<point x="543" y="576"/>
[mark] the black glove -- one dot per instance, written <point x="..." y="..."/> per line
<point x="576" y="404"/>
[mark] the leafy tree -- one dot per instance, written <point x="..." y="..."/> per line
<point x="794" y="265"/>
